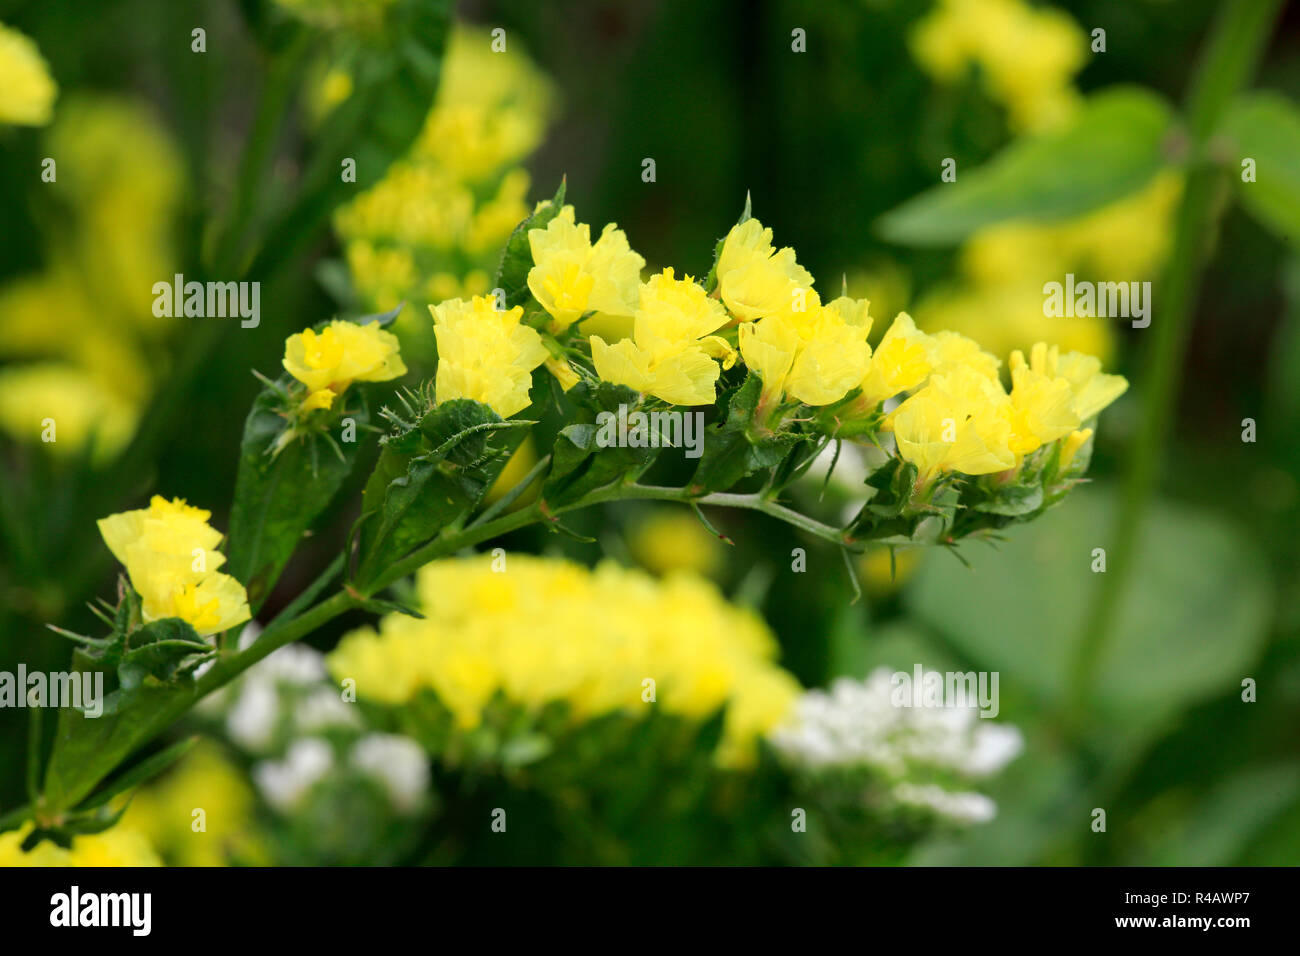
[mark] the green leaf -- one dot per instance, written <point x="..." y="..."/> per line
<point x="142" y="772"/>
<point x="431" y="476"/>
<point x="733" y="450"/>
<point x="1192" y="623"/>
<point x="517" y="257"/>
<point x="1114" y="147"/>
<point x="1265" y="127"/>
<point x="580" y="463"/>
<point x="278" y="494"/>
<point x="158" y="650"/>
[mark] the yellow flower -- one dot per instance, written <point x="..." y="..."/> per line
<point x="1043" y="406"/>
<point x="672" y="539"/>
<point x="958" y="422"/>
<point x="1093" y="390"/>
<point x="571" y="276"/>
<point x="65" y="404"/>
<point x="548" y="631"/>
<point x="754" y="279"/>
<point x="327" y="362"/>
<point x="1070" y="447"/>
<point x="901" y="361"/>
<point x="118" y="846"/>
<point x="485" y="354"/>
<point x="671" y="353"/>
<point x="26" y="89"/>
<point x="169" y="551"/>
<point x="163" y="810"/>
<point x="1028" y="56"/>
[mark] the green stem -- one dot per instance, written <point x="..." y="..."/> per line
<point x="1236" y="42"/>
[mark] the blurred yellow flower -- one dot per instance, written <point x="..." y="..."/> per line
<point x="544" y="631"/>
<point x="485" y="354"/>
<point x="672" y="539"/>
<point x="118" y="846"/>
<point x="164" y="810"/>
<point x="169" y="552"/>
<point x="327" y="362"/>
<point x="27" y="90"/>
<point x="1028" y="56"/>
<point x="64" y="406"/>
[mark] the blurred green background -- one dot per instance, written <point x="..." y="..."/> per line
<point x="825" y="142"/>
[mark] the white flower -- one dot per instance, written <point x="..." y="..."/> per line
<point x="321" y="708"/>
<point x="284" y="782"/>
<point x="856" y="724"/>
<point x="396" y="762"/>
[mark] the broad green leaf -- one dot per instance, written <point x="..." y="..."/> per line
<point x="1114" y="147"/>
<point x="517" y="257"/>
<point x="279" y="494"/>
<point x="1192" y="622"/>
<point x="1265" y="128"/>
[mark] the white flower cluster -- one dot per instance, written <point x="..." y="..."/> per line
<point x="289" y="695"/>
<point x="857" y="724"/>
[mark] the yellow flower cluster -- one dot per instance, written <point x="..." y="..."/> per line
<point x="433" y="227"/>
<point x="117" y="846"/>
<point x="170" y="554"/>
<point x="998" y="298"/>
<point x="963" y="420"/>
<point x="544" y="631"/>
<point x="85" y="321"/>
<point x="485" y="354"/>
<point x="163" y="810"/>
<point x="327" y="362"/>
<point x="1027" y="55"/>
<point x="27" y="90"/>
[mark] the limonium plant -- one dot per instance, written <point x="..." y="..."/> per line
<point x="964" y="447"/>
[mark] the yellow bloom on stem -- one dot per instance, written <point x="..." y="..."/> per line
<point x="902" y="361"/>
<point x="1043" y="406"/>
<point x="754" y="279"/>
<point x="571" y="276"/>
<point x="169" y="551"/>
<point x="485" y="354"/>
<point x="27" y="90"/>
<point x="958" y="422"/>
<point x="671" y="353"/>
<point x="327" y="362"/>
<point x="1093" y="390"/>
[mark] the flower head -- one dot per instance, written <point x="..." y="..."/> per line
<point x="755" y="279"/>
<point x="485" y="354"/>
<point x="26" y="89"/>
<point x="327" y="362"/>
<point x="169" y="551"/>
<point x="671" y="353"/>
<point x="572" y="276"/>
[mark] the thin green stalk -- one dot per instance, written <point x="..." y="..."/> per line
<point x="1236" y="42"/>
<point x="511" y="496"/>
